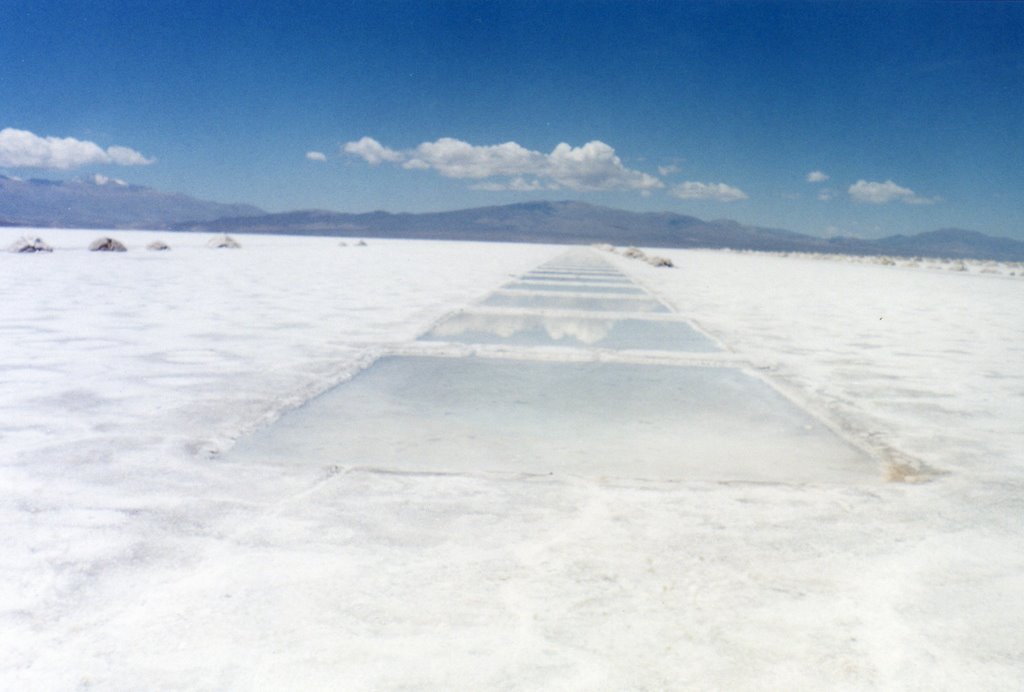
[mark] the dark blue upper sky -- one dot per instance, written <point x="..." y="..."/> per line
<point x="913" y="111"/>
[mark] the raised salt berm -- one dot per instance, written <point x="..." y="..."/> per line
<point x="28" y="244"/>
<point x="107" y="245"/>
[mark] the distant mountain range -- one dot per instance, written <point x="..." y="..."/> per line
<point x="100" y="202"/>
<point x="577" y="222"/>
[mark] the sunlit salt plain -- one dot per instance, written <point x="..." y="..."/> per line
<point x="214" y="473"/>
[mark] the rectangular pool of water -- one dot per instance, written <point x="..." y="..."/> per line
<point x="573" y="288"/>
<point x="597" y="267"/>
<point x="596" y="271"/>
<point x="560" y="302"/>
<point x="541" y="330"/>
<point x="590" y="419"/>
<point x="582" y="278"/>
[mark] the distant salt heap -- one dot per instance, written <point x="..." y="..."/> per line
<point x="361" y="243"/>
<point x="26" y="244"/>
<point x="638" y="254"/>
<point x="158" y="245"/>
<point x="224" y="241"/>
<point x="107" y="245"/>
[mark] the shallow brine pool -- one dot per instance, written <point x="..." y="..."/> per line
<point x="474" y="415"/>
<point x="545" y="330"/>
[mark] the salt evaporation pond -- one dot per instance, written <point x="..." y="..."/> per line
<point x="575" y="302"/>
<point x="576" y="278"/>
<point x="572" y="288"/>
<point x="532" y="413"/>
<point x="473" y="415"/>
<point x="553" y="330"/>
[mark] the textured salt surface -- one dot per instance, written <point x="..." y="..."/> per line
<point x="546" y="330"/>
<point x="136" y="557"/>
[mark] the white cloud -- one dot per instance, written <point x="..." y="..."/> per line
<point x="719" y="192"/>
<point x="123" y="156"/>
<point x="454" y="158"/>
<point x="668" y="170"/>
<point x="517" y="184"/>
<point x="593" y="166"/>
<point x="316" y="156"/>
<point x="881" y="193"/>
<point x="24" y="149"/>
<point x="371" y="151"/>
<point x="99" y="179"/>
<point x="817" y="177"/>
<point x="826" y="195"/>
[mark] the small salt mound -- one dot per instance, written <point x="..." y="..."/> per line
<point x="225" y="241"/>
<point x="634" y="252"/>
<point x="107" y="245"/>
<point x="656" y="261"/>
<point x="158" y="245"/>
<point x="361" y="243"/>
<point x="343" y="244"/>
<point x="26" y="244"/>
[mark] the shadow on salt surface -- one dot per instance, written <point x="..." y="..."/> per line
<point x="573" y="288"/>
<point x="474" y="415"/>
<point x="565" y="302"/>
<point x="543" y="330"/>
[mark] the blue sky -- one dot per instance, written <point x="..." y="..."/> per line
<point x="913" y="111"/>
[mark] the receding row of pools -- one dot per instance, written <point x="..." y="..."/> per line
<point x="543" y="396"/>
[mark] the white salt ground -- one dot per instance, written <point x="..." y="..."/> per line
<point x="135" y="558"/>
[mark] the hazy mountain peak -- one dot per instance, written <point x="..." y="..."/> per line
<point x="565" y="221"/>
<point x="99" y="201"/>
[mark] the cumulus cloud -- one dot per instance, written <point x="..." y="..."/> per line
<point x="517" y="184"/>
<point x="454" y="158"/>
<point x="881" y="193"/>
<point x="826" y="194"/>
<point x="719" y="192"/>
<point x="372" y="151"/>
<point x="817" y="177"/>
<point x="24" y="149"/>
<point x="668" y="170"/>
<point x="98" y="179"/>
<point x="316" y="156"/>
<point x="592" y="166"/>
